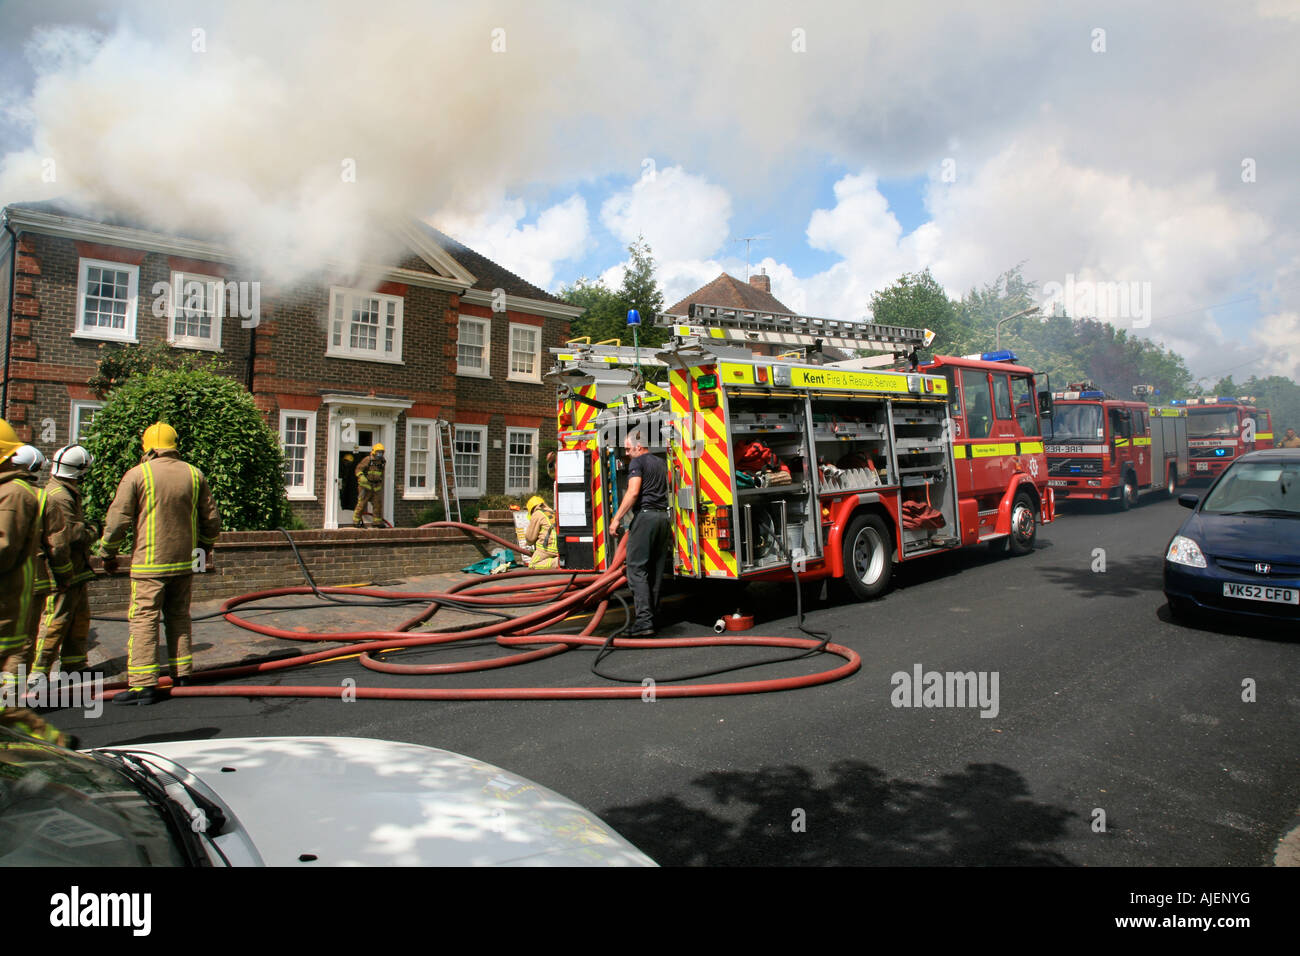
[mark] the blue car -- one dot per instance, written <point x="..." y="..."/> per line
<point x="1239" y="552"/>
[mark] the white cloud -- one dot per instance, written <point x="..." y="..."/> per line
<point x="681" y="215"/>
<point x="531" y="250"/>
<point x="1279" y="334"/>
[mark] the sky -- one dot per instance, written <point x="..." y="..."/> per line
<point x="1139" y="162"/>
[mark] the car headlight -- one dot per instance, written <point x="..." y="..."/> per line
<point x="1184" y="550"/>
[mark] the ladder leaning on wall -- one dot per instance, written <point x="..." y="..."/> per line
<point x="445" y="462"/>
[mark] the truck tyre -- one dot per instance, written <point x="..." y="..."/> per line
<point x="1128" y="492"/>
<point x="1024" y="524"/>
<point x="868" y="557"/>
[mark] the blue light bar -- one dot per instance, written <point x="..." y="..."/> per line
<point x="1006" y="355"/>
<point x="633" y="317"/>
<point x="1179" y="401"/>
<point x="1092" y="394"/>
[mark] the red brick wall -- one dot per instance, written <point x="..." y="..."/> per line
<point x="50" y="367"/>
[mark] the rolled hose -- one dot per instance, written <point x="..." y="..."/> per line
<point x="581" y="590"/>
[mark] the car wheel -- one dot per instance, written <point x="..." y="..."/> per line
<point x="1024" y="524"/>
<point x="868" y="557"/>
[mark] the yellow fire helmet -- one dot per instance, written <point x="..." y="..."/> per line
<point x="160" y="435"/>
<point x="533" y="502"/>
<point x="377" y="449"/>
<point x="9" y="442"/>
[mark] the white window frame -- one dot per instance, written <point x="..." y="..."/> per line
<point x="349" y="298"/>
<point x="536" y="375"/>
<point x="307" y="490"/>
<point x="532" y="434"/>
<point x="486" y="370"/>
<point x="478" y="490"/>
<point x="125" y="334"/>
<point x="431" y="487"/>
<point x="177" y="297"/>
<point x="79" y="407"/>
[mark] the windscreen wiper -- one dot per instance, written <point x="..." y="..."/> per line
<point x="146" y="781"/>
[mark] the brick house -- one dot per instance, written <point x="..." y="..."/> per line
<point x="336" y="365"/>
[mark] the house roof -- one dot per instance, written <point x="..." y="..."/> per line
<point x="488" y="275"/>
<point x="729" y="292"/>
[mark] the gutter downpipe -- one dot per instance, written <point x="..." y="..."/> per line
<point x="9" y="317"/>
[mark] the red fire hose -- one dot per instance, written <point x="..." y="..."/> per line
<point x="575" y="591"/>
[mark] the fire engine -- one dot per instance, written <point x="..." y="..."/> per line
<point x="1105" y="448"/>
<point x="784" y="464"/>
<point x="1220" y="428"/>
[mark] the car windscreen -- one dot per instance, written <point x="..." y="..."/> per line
<point x="1212" y="424"/>
<point x="62" y="808"/>
<point x="1257" y="487"/>
<point x="1077" y="422"/>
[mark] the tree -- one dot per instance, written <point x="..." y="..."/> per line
<point x="606" y="311"/>
<point x="917" y="301"/>
<point x="219" y="430"/>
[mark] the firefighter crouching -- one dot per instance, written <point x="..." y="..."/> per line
<point x="167" y="502"/>
<point x="370" y="486"/>
<point x="65" y="626"/>
<point x="541" y="534"/>
<point x="33" y="544"/>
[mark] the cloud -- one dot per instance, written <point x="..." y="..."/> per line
<point x="1279" y="334"/>
<point x="532" y="250"/>
<point x="681" y="215"/>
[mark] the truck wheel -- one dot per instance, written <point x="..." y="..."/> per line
<point x="868" y="557"/>
<point x="1128" y="492"/>
<point x="1024" y="524"/>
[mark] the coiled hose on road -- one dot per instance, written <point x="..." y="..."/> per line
<point x="557" y="594"/>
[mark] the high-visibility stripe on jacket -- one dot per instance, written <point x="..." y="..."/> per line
<point x="65" y="498"/>
<point x="168" y="503"/>
<point x="52" y="557"/>
<point x="24" y="531"/>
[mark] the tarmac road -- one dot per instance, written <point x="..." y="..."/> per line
<point x="1106" y="711"/>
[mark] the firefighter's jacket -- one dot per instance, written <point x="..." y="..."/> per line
<point x="541" y="534"/>
<point x="64" y="497"/>
<point x="370" y="473"/>
<point x="167" y="502"/>
<point x="52" y="569"/>
<point x="26" y="528"/>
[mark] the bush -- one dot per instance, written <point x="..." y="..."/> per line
<point x="435" y="512"/>
<point x="219" y="429"/>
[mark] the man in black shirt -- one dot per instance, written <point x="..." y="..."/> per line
<point x="647" y="541"/>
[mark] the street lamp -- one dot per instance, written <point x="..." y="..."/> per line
<point x="997" y="342"/>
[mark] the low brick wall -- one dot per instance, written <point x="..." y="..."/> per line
<point x="254" y="560"/>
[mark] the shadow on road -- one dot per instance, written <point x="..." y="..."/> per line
<point x="1121" y="579"/>
<point x="981" y="816"/>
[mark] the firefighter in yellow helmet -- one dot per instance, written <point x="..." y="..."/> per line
<point x="167" y="502"/>
<point x="541" y="534"/>
<point x="27" y="529"/>
<point x="370" y="486"/>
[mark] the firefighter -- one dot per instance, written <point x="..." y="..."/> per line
<point x="167" y="502"/>
<point x="1291" y="440"/>
<point x="541" y="534"/>
<point x="647" y="539"/>
<point x="65" y="625"/>
<point x="53" y="571"/>
<point x="370" y="486"/>
<point x="25" y="530"/>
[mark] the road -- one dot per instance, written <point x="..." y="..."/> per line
<point x="1120" y="737"/>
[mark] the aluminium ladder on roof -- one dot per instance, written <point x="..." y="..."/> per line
<point x="780" y="328"/>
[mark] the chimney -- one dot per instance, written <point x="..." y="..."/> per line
<point x="762" y="281"/>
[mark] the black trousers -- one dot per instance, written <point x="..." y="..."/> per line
<point x="647" y="557"/>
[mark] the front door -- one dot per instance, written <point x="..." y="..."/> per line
<point x="353" y="432"/>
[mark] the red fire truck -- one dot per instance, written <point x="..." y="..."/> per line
<point x="1221" y="428"/>
<point x="781" y="464"/>
<point x="1105" y="448"/>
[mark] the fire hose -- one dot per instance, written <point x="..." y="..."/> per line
<point x="555" y="595"/>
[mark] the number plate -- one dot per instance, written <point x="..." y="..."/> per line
<point x="1202" y="466"/>
<point x="708" y="527"/>
<point x="1256" y="592"/>
<point x="1059" y="484"/>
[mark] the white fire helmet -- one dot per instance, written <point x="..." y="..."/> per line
<point x="28" y="458"/>
<point x="71" y="462"/>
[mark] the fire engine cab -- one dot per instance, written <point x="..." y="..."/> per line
<point x="788" y="464"/>
<point x="1105" y="448"/>
<point x="1222" y="428"/>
